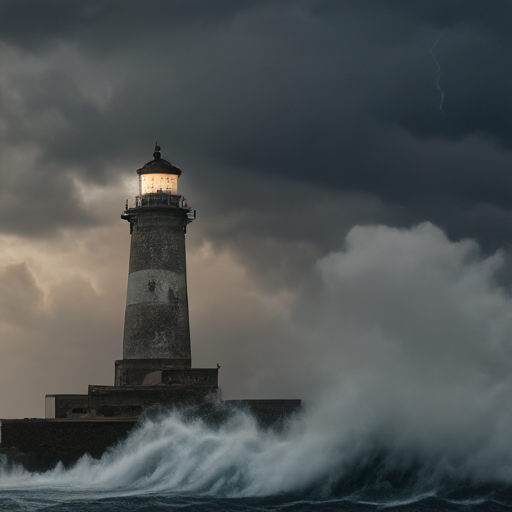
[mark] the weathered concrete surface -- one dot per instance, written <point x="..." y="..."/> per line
<point x="162" y="372"/>
<point x="126" y="401"/>
<point x="38" y="444"/>
<point x="134" y="371"/>
<point x="70" y="406"/>
<point x="140" y="384"/>
<point x="156" y="319"/>
<point x="154" y="286"/>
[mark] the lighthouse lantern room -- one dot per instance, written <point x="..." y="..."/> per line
<point x="158" y="177"/>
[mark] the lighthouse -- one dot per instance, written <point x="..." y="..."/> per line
<point x="156" y="319"/>
<point x="156" y="328"/>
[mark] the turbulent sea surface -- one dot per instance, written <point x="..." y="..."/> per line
<point x="171" y="463"/>
<point x="49" y="500"/>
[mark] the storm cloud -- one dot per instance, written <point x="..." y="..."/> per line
<point x="293" y="122"/>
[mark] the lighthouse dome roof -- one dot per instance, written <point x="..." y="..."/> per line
<point x="158" y="165"/>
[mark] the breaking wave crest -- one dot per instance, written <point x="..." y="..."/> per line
<point x="308" y="458"/>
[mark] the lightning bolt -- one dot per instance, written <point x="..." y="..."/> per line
<point x="438" y="73"/>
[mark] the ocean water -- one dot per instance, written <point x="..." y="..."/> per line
<point x="173" y="463"/>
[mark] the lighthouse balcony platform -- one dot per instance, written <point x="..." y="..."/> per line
<point x="158" y="199"/>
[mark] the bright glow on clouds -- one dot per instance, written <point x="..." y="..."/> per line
<point x="61" y="308"/>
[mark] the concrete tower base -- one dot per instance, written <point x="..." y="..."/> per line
<point x="155" y="372"/>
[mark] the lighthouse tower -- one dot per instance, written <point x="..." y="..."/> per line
<point x="156" y="327"/>
<point x="156" y="321"/>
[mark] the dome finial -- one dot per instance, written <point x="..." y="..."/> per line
<point x="157" y="154"/>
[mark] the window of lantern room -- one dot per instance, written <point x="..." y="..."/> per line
<point x="158" y="184"/>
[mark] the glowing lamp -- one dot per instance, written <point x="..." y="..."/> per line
<point x="158" y="176"/>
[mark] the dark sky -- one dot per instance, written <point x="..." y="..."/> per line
<point x="293" y="122"/>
